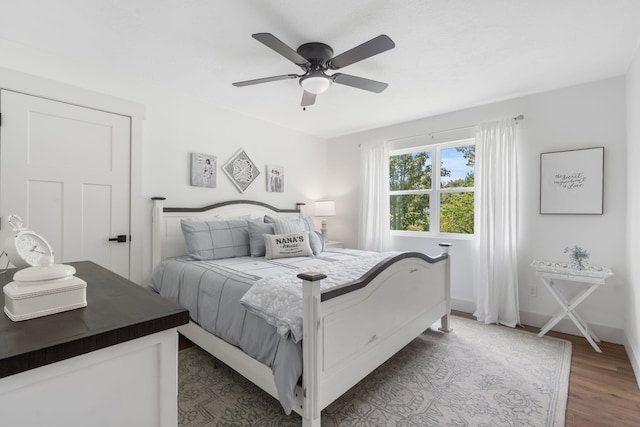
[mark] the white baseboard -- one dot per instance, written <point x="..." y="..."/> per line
<point x="463" y="305"/>
<point x="566" y="326"/>
<point x="634" y="358"/>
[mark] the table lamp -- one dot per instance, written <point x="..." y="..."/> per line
<point x="324" y="209"/>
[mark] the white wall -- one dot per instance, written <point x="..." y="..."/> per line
<point x="577" y="117"/>
<point x="633" y="214"/>
<point x="174" y="127"/>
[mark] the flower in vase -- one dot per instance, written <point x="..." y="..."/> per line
<point x="577" y="256"/>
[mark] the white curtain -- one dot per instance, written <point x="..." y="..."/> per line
<point x="373" y="233"/>
<point x="496" y="186"/>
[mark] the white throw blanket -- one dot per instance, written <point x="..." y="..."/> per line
<point x="278" y="299"/>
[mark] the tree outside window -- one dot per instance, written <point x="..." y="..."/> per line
<point x="432" y="188"/>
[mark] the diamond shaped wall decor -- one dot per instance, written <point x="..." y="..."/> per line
<point x="241" y="170"/>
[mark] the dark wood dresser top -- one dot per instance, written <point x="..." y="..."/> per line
<point x="117" y="310"/>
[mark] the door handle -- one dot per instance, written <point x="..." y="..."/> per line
<point x="121" y="238"/>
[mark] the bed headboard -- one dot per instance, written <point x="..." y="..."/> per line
<point x="166" y="235"/>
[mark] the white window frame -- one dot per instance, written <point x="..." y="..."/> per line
<point x="435" y="192"/>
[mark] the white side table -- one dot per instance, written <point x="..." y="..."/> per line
<point x="591" y="278"/>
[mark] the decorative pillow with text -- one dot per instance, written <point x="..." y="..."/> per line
<point x="287" y="245"/>
<point x="295" y="225"/>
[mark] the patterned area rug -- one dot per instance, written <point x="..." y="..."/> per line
<point x="478" y="375"/>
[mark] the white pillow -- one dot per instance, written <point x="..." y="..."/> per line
<point x="286" y="226"/>
<point x="287" y="245"/>
<point x="296" y="225"/>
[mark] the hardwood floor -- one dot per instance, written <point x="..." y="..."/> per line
<point x="603" y="391"/>
<point x="602" y="387"/>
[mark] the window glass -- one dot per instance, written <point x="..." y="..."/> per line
<point x="432" y="188"/>
<point x="456" y="212"/>
<point x="410" y="212"/>
<point x="410" y="171"/>
<point x="457" y="166"/>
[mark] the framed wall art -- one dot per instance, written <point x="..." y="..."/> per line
<point x="572" y="182"/>
<point x="275" y="179"/>
<point x="241" y="170"/>
<point x="203" y="170"/>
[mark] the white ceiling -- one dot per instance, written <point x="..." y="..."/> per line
<point x="449" y="55"/>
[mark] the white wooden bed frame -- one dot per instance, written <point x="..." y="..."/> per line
<point x="348" y="331"/>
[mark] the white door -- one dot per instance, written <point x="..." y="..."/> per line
<point x="65" y="170"/>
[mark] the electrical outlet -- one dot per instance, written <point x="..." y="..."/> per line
<point x="533" y="290"/>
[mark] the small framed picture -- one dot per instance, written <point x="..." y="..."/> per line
<point x="203" y="170"/>
<point x="275" y="179"/>
<point x="572" y="182"/>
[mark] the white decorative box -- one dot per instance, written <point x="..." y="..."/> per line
<point x="44" y="290"/>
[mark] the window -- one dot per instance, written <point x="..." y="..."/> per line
<point x="432" y="188"/>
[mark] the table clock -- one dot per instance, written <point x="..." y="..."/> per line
<point x="24" y="247"/>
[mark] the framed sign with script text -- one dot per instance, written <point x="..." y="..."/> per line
<point x="572" y="182"/>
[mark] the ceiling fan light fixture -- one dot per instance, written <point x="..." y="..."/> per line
<point x="315" y="83"/>
<point x="316" y="58"/>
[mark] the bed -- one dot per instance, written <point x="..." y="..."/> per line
<point x="346" y="329"/>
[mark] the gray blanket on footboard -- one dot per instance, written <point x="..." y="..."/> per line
<point x="211" y="291"/>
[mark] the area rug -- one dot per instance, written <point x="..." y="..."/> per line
<point x="477" y="375"/>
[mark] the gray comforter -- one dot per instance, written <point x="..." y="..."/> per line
<point x="211" y="291"/>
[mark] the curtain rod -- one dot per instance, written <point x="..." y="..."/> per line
<point x="520" y="117"/>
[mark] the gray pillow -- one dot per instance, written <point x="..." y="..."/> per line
<point x="256" y="241"/>
<point x="308" y="223"/>
<point x="216" y="239"/>
<point x="316" y="242"/>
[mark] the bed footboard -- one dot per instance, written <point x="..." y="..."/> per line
<point x="350" y="330"/>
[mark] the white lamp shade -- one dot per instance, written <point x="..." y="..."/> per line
<point x="325" y="208"/>
<point x="315" y="83"/>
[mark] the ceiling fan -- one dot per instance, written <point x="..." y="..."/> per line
<point x="316" y="59"/>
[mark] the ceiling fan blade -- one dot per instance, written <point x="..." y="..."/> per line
<point x="359" y="82"/>
<point x="276" y="44"/>
<point x="366" y="50"/>
<point x="265" y="80"/>
<point x="308" y="98"/>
